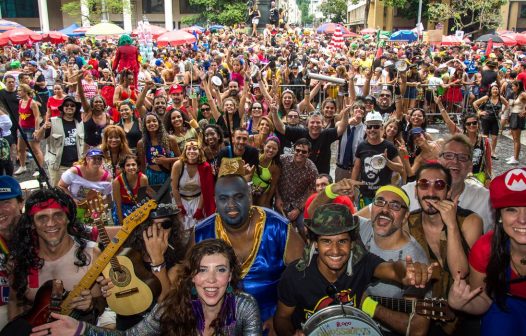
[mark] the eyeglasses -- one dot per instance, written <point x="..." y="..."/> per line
<point x="393" y="205"/>
<point x="373" y="127"/>
<point x="385" y="95"/>
<point x="257" y="107"/>
<point x="472" y="123"/>
<point x="450" y="156"/>
<point x="301" y="151"/>
<point x="424" y="184"/>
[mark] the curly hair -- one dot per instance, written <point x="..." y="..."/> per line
<point x="24" y="257"/>
<point x="162" y="135"/>
<point x="112" y="130"/>
<point x="201" y="157"/>
<point x="169" y="127"/>
<point x="177" y="318"/>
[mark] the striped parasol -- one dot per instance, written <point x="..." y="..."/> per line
<point x="6" y="25"/>
<point x="337" y="39"/>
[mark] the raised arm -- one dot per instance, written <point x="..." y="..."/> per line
<point x="278" y="123"/>
<point x="213" y="107"/>
<point x="83" y="100"/>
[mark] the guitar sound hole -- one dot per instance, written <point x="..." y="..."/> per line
<point x="121" y="277"/>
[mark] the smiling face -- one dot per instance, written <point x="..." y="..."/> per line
<point x="232" y="200"/>
<point x="314" y="125"/>
<point x="51" y="226"/>
<point x="211" y="280"/>
<point x="329" y="109"/>
<point x="130" y="166"/>
<point x="270" y="149"/>
<point x="459" y="170"/>
<point x="257" y="110"/>
<point x="264" y="127"/>
<point x="152" y="124"/>
<point x="192" y="151"/>
<point x="176" y="119"/>
<point x="159" y="105"/>
<point x="125" y="111"/>
<point x="211" y="137"/>
<point x="239" y="141"/>
<point x="417" y="118"/>
<point x="385" y="220"/>
<point x="391" y="130"/>
<point x="229" y="106"/>
<point x="10" y="210"/>
<point x="98" y="104"/>
<point x="287" y="100"/>
<point x="514" y="223"/>
<point x="333" y="253"/>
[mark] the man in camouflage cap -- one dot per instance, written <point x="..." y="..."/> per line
<point x="339" y="272"/>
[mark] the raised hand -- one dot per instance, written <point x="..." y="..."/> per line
<point x="63" y="326"/>
<point x="460" y="293"/>
<point x="417" y="274"/>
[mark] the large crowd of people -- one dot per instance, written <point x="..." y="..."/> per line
<point x="302" y="175"/>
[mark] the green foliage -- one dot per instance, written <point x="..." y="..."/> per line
<point x="334" y="10"/>
<point x="469" y="15"/>
<point x="95" y="8"/>
<point x="225" y="12"/>
<point x="410" y="7"/>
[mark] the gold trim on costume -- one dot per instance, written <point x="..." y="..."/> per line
<point x="258" y="233"/>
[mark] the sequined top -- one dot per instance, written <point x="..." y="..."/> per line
<point x="248" y="321"/>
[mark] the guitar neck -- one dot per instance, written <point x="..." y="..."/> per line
<point x="399" y="305"/>
<point x="105" y="239"/>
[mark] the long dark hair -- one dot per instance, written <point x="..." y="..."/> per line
<point x="499" y="261"/>
<point x="162" y="135"/>
<point x="24" y="257"/>
<point x="178" y="318"/>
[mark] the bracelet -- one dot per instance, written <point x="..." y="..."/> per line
<point x="406" y="157"/>
<point x="329" y="193"/>
<point x="79" y="328"/>
<point x="369" y="306"/>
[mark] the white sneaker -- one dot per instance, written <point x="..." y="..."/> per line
<point x="20" y="170"/>
<point x="36" y="174"/>
<point x="512" y="161"/>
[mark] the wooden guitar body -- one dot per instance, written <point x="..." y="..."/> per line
<point x="135" y="287"/>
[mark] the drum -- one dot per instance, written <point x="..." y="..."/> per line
<point x="341" y="320"/>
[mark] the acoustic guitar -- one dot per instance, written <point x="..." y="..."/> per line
<point x="135" y="287"/>
<point x="433" y="308"/>
<point x="43" y="305"/>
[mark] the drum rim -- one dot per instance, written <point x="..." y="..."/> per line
<point x="361" y="316"/>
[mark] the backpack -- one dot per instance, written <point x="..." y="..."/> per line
<point x="5" y="149"/>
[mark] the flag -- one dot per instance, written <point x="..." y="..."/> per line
<point x="337" y="39"/>
<point x="489" y="47"/>
<point x="379" y="52"/>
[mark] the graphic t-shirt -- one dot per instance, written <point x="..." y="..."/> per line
<point x="307" y="290"/>
<point x="372" y="177"/>
<point x="69" y="153"/>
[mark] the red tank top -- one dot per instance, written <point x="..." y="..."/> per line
<point x="27" y="119"/>
<point x="125" y="192"/>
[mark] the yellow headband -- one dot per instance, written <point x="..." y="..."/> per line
<point x="397" y="190"/>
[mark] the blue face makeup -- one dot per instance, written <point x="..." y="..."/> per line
<point x="232" y="200"/>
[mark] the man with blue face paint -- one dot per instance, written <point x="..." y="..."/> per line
<point x="263" y="240"/>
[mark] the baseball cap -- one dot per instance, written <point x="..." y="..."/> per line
<point x="331" y="219"/>
<point x="374" y="118"/>
<point x="388" y="63"/>
<point x="9" y="188"/>
<point x="33" y="63"/>
<point x="508" y="189"/>
<point x="94" y="152"/>
<point x="176" y="88"/>
<point x="416" y="130"/>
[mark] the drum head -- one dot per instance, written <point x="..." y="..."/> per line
<point x="340" y="320"/>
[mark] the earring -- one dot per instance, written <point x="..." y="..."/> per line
<point x="229" y="289"/>
<point x="194" y="291"/>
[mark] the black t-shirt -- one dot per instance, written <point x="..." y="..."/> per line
<point x="307" y="290"/>
<point x="373" y="178"/>
<point x="69" y="153"/>
<point x="250" y="156"/>
<point x="223" y="124"/>
<point x="10" y="101"/>
<point x="321" y="146"/>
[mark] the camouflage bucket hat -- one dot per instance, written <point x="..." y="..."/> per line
<point x="331" y="219"/>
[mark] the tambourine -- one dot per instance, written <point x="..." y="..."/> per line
<point x="401" y="66"/>
<point x="216" y="81"/>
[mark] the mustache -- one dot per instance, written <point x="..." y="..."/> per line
<point x="385" y="214"/>
<point x="433" y="198"/>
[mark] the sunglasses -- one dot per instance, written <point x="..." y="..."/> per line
<point x="393" y="205"/>
<point x="424" y="184"/>
<point x="385" y="95"/>
<point x="257" y="107"/>
<point x="205" y="109"/>
<point x="70" y="105"/>
<point x="461" y="157"/>
<point x="301" y="151"/>
<point x="373" y="127"/>
<point x="293" y="116"/>
<point x="472" y="123"/>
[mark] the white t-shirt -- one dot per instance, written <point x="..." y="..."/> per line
<point x="474" y="198"/>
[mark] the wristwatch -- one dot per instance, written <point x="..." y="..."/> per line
<point x="158" y="268"/>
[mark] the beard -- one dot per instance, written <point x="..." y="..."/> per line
<point x="429" y="210"/>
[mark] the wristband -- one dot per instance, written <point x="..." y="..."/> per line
<point x="329" y="193"/>
<point x="406" y="157"/>
<point x="79" y="329"/>
<point x="369" y="306"/>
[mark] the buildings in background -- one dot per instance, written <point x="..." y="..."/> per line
<point x="513" y="16"/>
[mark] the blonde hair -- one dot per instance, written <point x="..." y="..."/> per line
<point x="27" y="89"/>
<point x="200" y="159"/>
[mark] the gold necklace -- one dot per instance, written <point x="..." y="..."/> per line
<point x="515" y="266"/>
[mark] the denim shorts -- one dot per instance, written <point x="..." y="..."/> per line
<point x="28" y="132"/>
